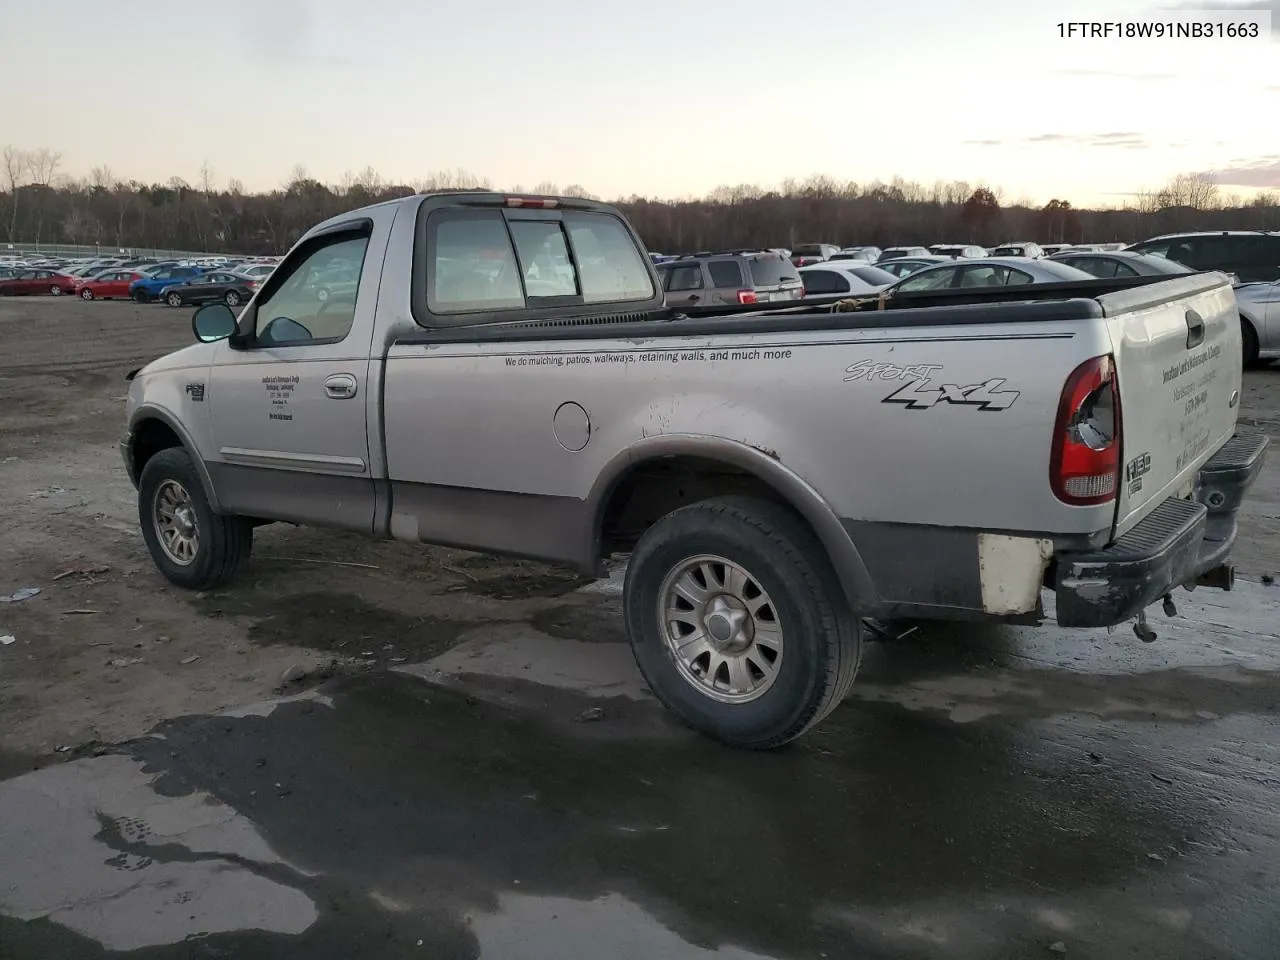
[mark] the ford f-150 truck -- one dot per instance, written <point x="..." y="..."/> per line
<point x="504" y="377"/>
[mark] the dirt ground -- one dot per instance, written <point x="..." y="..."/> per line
<point x="107" y="649"/>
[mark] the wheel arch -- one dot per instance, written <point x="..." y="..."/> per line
<point x="659" y="474"/>
<point x="152" y="429"/>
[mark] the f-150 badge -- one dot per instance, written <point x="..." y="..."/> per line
<point x="919" y="395"/>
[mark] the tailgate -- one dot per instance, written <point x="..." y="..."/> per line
<point x="1178" y="362"/>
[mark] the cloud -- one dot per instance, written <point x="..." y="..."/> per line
<point x="1125" y="139"/>
<point x="1231" y="6"/>
<point x="1257" y="172"/>
<point x="1115" y="75"/>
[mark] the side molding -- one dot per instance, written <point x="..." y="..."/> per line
<point x="844" y="556"/>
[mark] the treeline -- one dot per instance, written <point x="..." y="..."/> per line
<point x="40" y="204"/>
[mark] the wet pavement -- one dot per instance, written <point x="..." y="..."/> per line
<point x="984" y="793"/>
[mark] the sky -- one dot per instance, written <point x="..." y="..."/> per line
<point x="663" y="98"/>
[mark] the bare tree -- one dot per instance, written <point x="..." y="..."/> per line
<point x="17" y="164"/>
<point x="1195" y="190"/>
<point x="207" y="178"/>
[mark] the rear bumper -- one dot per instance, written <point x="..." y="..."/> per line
<point x="1178" y="543"/>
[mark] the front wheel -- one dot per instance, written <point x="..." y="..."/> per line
<point x="86" y="294"/>
<point x="174" y="300"/>
<point x="738" y="622"/>
<point x="189" y="543"/>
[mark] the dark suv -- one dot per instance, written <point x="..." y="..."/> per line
<point x="729" y="278"/>
<point x="1252" y="255"/>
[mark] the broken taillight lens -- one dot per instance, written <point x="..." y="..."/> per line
<point x="1085" y="464"/>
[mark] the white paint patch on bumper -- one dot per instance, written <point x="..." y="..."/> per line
<point x="1011" y="571"/>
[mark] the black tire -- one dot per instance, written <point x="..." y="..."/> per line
<point x="1249" y="343"/>
<point x="822" y="636"/>
<point x="141" y="296"/>
<point x="174" y="299"/>
<point x="224" y="542"/>
<point x="86" y="294"/>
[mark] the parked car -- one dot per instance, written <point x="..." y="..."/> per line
<point x="1251" y="255"/>
<point x="1029" y="250"/>
<point x="729" y="278"/>
<point x="214" y="285"/>
<point x="148" y="286"/>
<point x="844" y="276"/>
<point x="868" y="254"/>
<point x="806" y="253"/>
<point x="898" y="253"/>
<point x="765" y="473"/>
<point x="958" y="251"/>
<point x="28" y="282"/>
<point x="108" y="285"/>
<point x="905" y="266"/>
<point x="1121" y="263"/>
<point x="988" y="272"/>
<point x="1259" y="305"/>
<point x="1049" y="249"/>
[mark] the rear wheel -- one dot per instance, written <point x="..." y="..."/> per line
<point x="55" y="290"/>
<point x="738" y="622"/>
<point x="141" y="296"/>
<point x="86" y="294"/>
<point x="1249" y="342"/>
<point x="232" y="298"/>
<point x="189" y="543"/>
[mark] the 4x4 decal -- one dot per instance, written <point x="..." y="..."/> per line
<point x="918" y="395"/>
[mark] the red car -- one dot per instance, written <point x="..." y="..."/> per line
<point x="37" y="281"/>
<point x="110" y="283"/>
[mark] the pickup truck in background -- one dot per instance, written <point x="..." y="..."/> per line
<point x="778" y="476"/>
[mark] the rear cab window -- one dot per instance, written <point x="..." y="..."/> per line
<point x="472" y="262"/>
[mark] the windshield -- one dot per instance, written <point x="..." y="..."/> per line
<point x="873" y="275"/>
<point x="771" y="271"/>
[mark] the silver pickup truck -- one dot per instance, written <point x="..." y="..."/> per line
<point x="502" y="375"/>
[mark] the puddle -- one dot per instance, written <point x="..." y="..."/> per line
<point x="342" y="625"/>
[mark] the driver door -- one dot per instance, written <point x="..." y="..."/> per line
<point x="288" y="409"/>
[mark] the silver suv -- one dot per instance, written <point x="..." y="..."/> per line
<point x="729" y="278"/>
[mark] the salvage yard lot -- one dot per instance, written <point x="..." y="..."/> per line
<point x="981" y="789"/>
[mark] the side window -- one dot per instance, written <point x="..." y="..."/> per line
<point x="985" y="276"/>
<point x="725" y="273"/>
<point x="819" y="282"/>
<point x="544" y="258"/>
<point x="612" y="267"/>
<point x="310" y="305"/>
<point x="1094" y="266"/>
<point x="685" y="278"/>
<point x="1017" y="278"/>
<point x="1122" y="269"/>
<point x="473" y="267"/>
<point x="928" y="280"/>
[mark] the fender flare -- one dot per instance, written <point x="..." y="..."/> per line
<point x="153" y="412"/>
<point x="850" y="569"/>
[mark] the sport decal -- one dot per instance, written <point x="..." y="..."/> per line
<point x="920" y="395"/>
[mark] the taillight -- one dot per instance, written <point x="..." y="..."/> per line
<point x="1085" y="465"/>
<point x="746" y="296"/>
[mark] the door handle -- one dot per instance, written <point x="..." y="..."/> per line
<point x="340" y="386"/>
<point x="1195" y="329"/>
<point x="694" y="298"/>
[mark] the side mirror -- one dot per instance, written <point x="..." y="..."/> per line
<point x="213" y="322"/>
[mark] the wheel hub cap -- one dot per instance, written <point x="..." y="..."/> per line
<point x="721" y="629"/>
<point x="174" y="520"/>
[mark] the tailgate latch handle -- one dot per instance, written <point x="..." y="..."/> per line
<point x="1195" y="329"/>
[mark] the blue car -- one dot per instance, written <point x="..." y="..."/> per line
<point x="147" y="288"/>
